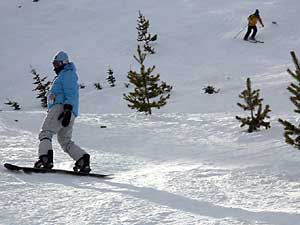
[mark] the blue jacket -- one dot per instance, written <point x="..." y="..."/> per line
<point x="65" y="88"/>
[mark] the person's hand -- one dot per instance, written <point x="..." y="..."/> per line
<point x="66" y="115"/>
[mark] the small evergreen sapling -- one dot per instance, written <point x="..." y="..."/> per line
<point x="111" y="79"/>
<point x="98" y="86"/>
<point x="253" y="101"/>
<point x="210" y="90"/>
<point x="13" y="104"/>
<point x="148" y="93"/>
<point x="42" y="87"/>
<point x="291" y="131"/>
<point x="82" y="86"/>
<point x="143" y="35"/>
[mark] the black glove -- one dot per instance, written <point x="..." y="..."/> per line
<point x="66" y="115"/>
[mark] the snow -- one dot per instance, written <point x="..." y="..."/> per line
<point x="190" y="162"/>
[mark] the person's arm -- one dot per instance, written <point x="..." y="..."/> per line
<point x="70" y="90"/>
<point x="260" y="20"/>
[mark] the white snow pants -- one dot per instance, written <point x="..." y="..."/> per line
<point x="52" y="126"/>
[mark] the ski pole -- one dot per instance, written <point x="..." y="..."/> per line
<point x="240" y="32"/>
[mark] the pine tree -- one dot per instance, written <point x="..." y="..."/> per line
<point x="98" y="86"/>
<point x="148" y="93"/>
<point x="13" y="104"/>
<point x="292" y="132"/>
<point x="143" y="35"/>
<point x="253" y="101"/>
<point x="82" y="86"/>
<point x="210" y="90"/>
<point x="42" y="87"/>
<point x="111" y="79"/>
<point x="165" y="87"/>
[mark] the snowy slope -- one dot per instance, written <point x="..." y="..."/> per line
<point x="189" y="163"/>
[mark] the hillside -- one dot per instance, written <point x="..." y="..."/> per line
<point x="188" y="163"/>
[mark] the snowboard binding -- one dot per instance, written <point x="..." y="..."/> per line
<point x="45" y="161"/>
<point x="83" y="164"/>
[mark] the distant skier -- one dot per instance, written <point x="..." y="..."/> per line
<point x="63" y="101"/>
<point x="252" y="21"/>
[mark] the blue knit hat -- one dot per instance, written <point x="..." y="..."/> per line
<point x="62" y="57"/>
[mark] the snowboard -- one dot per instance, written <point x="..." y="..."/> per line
<point x="30" y="170"/>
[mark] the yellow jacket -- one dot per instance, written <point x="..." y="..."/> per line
<point x="252" y="20"/>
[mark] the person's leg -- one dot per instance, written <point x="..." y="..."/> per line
<point x="64" y="137"/>
<point x="50" y="126"/>
<point x="248" y="33"/>
<point x="254" y="33"/>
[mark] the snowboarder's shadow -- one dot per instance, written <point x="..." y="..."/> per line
<point x="194" y="206"/>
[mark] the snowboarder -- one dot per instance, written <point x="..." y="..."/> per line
<point x="63" y="101"/>
<point x="252" y="21"/>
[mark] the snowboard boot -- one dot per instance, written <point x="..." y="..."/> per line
<point x="83" y="164"/>
<point x="45" y="161"/>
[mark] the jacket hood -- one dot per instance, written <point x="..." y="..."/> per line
<point x="70" y="66"/>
